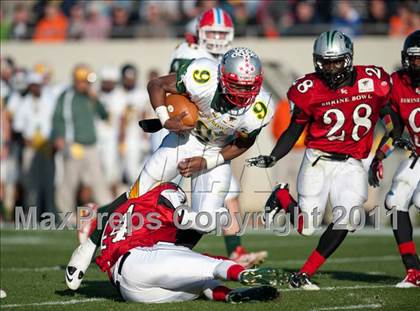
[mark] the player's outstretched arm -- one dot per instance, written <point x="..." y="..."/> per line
<point x="394" y="128"/>
<point x="283" y="146"/>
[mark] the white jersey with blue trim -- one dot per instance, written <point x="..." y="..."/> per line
<point x="201" y="81"/>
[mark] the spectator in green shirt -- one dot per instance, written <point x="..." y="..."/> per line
<point x="74" y="134"/>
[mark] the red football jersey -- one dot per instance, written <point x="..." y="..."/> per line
<point x="146" y="220"/>
<point x="342" y="120"/>
<point x="405" y="100"/>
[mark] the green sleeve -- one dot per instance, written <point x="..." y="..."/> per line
<point x="58" y="126"/>
<point x="255" y="133"/>
<point x="100" y="110"/>
<point x="177" y="63"/>
<point x="180" y="86"/>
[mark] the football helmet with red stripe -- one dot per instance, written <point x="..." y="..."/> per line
<point x="215" y="31"/>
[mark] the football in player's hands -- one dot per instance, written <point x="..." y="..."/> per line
<point x="262" y="161"/>
<point x="179" y="104"/>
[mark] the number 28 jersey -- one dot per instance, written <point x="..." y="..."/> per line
<point x="405" y="100"/>
<point x="199" y="79"/>
<point x="342" y="120"/>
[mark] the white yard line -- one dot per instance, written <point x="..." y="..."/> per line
<point x="286" y="262"/>
<point x="334" y="288"/>
<point x="368" y="231"/>
<point x="34" y="269"/>
<point x="344" y="259"/>
<point x="77" y="301"/>
<point x="52" y="303"/>
<point x="351" y="307"/>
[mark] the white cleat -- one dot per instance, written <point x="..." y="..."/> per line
<point x="2" y="294"/>
<point x="412" y="279"/>
<point x="301" y="281"/>
<point x="78" y="264"/>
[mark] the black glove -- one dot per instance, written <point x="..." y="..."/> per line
<point x="375" y="172"/>
<point x="262" y="161"/>
<point x="150" y="125"/>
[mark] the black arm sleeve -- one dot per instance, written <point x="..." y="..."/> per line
<point x="290" y="136"/>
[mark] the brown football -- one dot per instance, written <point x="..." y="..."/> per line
<point x="177" y="104"/>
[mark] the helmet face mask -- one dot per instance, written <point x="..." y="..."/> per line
<point x="215" y="31"/>
<point x="333" y="58"/>
<point x="410" y="56"/>
<point x="241" y="77"/>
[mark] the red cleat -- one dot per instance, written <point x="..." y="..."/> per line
<point x="412" y="279"/>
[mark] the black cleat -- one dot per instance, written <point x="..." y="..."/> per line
<point x="301" y="280"/>
<point x="254" y="294"/>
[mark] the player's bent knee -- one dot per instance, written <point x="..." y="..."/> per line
<point x="305" y="225"/>
<point x="416" y="197"/>
<point x="396" y="200"/>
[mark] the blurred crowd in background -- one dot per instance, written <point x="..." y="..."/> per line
<point x="64" y="145"/>
<point x="60" y="20"/>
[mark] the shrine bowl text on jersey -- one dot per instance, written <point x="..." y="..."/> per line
<point x="405" y="100"/>
<point x="199" y="79"/>
<point x="341" y="120"/>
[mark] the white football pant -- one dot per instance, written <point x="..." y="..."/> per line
<point x="165" y="273"/>
<point x="405" y="187"/>
<point x="209" y="188"/>
<point x="343" y="182"/>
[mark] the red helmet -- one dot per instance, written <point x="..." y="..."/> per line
<point x="215" y="31"/>
<point x="241" y="76"/>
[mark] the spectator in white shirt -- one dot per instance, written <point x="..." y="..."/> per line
<point x="33" y="119"/>
<point x="112" y="97"/>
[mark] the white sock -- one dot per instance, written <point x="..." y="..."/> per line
<point x="220" y="272"/>
<point x="82" y="255"/>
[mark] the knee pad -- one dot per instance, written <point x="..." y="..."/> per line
<point x="305" y="225"/>
<point x="398" y="197"/>
<point x="306" y="231"/>
<point x="347" y="218"/>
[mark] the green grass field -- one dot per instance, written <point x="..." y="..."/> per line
<point x="360" y="275"/>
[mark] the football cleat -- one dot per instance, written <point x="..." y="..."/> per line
<point x="247" y="260"/>
<point x="260" y="276"/>
<point x="412" y="279"/>
<point x="301" y="280"/>
<point x="2" y="294"/>
<point x="78" y="264"/>
<point x="87" y="225"/>
<point x="263" y="293"/>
